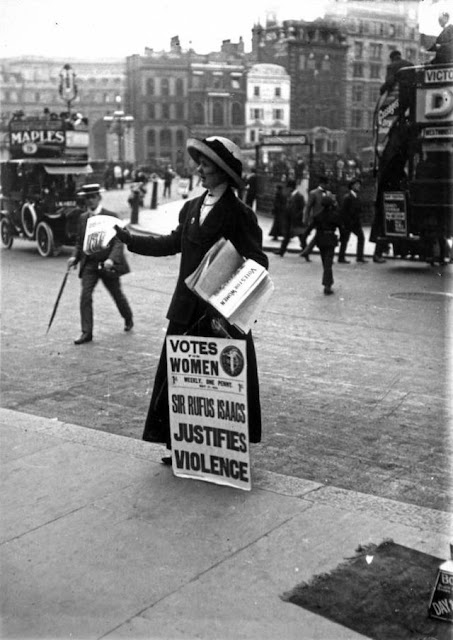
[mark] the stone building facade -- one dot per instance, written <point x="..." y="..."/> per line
<point x="371" y="30"/>
<point x="268" y="101"/>
<point x="31" y="84"/>
<point x="314" y="55"/>
<point x="178" y="94"/>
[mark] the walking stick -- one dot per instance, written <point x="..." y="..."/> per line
<point x="63" y="284"/>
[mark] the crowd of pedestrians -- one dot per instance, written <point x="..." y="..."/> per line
<point x="322" y="221"/>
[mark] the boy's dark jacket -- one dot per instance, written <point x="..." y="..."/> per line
<point x="326" y="222"/>
<point x="230" y="218"/>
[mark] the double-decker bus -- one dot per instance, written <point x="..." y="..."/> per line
<point x="414" y="150"/>
<point x="48" y="162"/>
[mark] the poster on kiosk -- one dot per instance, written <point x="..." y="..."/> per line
<point x="207" y="387"/>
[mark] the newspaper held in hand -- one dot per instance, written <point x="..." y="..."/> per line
<point x="236" y="287"/>
<point x="99" y="232"/>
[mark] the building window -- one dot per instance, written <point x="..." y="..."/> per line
<point x="165" y="111"/>
<point x="197" y="82"/>
<point x="278" y="92"/>
<point x="277" y="114"/>
<point x="311" y="62"/>
<point x="198" y="113"/>
<point x="374" y="95"/>
<point x="357" y="93"/>
<point x="151" y="138"/>
<point x="179" y="87"/>
<point x="164" y="87"/>
<point x="180" y="139"/>
<point x="375" y="51"/>
<point x="179" y="111"/>
<point x="319" y="145"/>
<point x="235" y="84"/>
<point x="356" y="118"/>
<point x="256" y="114"/>
<point x="357" y="70"/>
<point x="358" y="50"/>
<point x="217" y="114"/>
<point x="252" y="135"/>
<point x="217" y="82"/>
<point x="256" y="91"/>
<point x="375" y="71"/>
<point x="150" y="87"/>
<point x="325" y="64"/>
<point x="165" y="139"/>
<point x="237" y="114"/>
<point x="152" y="111"/>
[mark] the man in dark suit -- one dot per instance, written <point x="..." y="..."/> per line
<point x="251" y="185"/>
<point x="292" y="217"/>
<point x="350" y="214"/>
<point x="106" y="265"/>
<point x="314" y="206"/>
<point x="217" y="213"/>
<point x="397" y="62"/>
<point x="443" y="46"/>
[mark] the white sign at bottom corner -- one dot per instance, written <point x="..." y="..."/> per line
<point x="207" y="393"/>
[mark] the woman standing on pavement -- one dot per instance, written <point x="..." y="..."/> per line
<point x="217" y="213"/>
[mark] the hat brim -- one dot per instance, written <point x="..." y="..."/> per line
<point x="196" y="147"/>
<point x="90" y="193"/>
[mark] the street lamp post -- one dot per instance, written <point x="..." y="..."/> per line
<point x="68" y="86"/>
<point x="119" y="123"/>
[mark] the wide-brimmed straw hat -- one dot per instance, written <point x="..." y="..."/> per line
<point x="222" y="152"/>
<point x="93" y="189"/>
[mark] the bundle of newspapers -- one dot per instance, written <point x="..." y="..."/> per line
<point x="236" y="287"/>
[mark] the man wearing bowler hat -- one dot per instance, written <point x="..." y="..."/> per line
<point x="202" y="222"/>
<point x="106" y="265"/>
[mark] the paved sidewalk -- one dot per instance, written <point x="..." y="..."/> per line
<point x="165" y="218"/>
<point x="99" y="540"/>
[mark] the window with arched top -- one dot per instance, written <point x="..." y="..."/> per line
<point x="165" y="138"/>
<point x="180" y="142"/>
<point x="151" y="138"/>
<point x="198" y="113"/>
<point x="217" y="114"/>
<point x="179" y="87"/>
<point x="237" y="116"/>
<point x="150" y="87"/>
<point x="165" y="87"/>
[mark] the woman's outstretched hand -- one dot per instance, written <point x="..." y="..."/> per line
<point x="123" y="234"/>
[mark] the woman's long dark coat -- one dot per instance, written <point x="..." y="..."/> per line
<point x="229" y="218"/>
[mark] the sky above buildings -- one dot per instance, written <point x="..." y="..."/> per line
<point x="107" y="29"/>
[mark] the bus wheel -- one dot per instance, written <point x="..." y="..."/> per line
<point x="44" y="240"/>
<point x="6" y="234"/>
<point x="29" y="219"/>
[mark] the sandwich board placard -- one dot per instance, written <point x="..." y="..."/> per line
<point x="441" y="603"/>
<point x="207" y="393"/>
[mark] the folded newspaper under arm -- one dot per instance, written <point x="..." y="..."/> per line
<point x="99" y="232"/>
<point x="236" y="287"/>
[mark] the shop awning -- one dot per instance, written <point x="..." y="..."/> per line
<point x="68" y="169"/>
